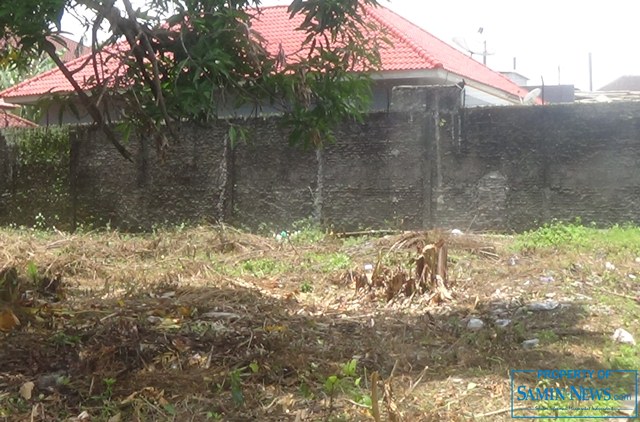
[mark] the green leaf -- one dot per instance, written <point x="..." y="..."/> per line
<point x="170" y="409"/>
<point x="233" y="135"/>
<point x="330" y="384"/>
<point x="236" y="388"/>
<point x="349" y="368"/>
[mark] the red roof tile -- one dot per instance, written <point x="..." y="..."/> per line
<point x="11" y="120"/>
<point x="54" y="82"/>
<point x="413" y="49"/>
<point x="71" y="49"/>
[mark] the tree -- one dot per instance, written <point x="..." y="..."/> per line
<point x="11" y="75"/>
<point x="188" y="59"/>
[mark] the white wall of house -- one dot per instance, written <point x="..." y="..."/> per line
<point x="57" y="114"/>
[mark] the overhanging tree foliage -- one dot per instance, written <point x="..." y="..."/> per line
<point x="194" y="59"/>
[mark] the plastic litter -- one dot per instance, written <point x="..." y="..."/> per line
<point x="475" y="324"/>
<point x="547" y="305"/>
<point x="502" y="323"/>
<point x="623" y="336"/>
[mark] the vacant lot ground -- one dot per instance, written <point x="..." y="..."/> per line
<point x="210" y="323"/>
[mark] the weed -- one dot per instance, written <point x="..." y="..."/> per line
<point x="330" y="384"/>
<point x="41" y="222"/>
<point x="306" y="287"/>
<point x="327" y="262"/>
<point x="519" y="330"/>
<point x="575" y="236"/>
<point x="108" y="384"/>
<point x="352" y="241"/>
<point x="307" y="232"/>
<point x="214" y="416"/>
<point x="301" y="232"/>
<point x="624" y="357"/>
<point x="12" y="405"/>
<point x="347" y="382"/>
<point x="32" y="272"/>
<point x="264" y="267"/>
<point x="548" y="336"/>
<point x="551" y="235"/>
<point x="235" y="378"/>
<point x="306" y="392"/>
<point x="64" y="339"/>
<point x="349" y="368"/>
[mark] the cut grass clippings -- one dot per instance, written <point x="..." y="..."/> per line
<point x="211" y="323"/>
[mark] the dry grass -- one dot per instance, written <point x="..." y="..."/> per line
<point x="210" y="323"/>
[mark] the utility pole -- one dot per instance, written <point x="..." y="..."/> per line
<point x="484" y="53"/>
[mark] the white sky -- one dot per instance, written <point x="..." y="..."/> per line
<point x="542" y="34"/>
<point x="550" y="39"/>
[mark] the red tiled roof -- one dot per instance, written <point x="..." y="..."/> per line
<point x="11" y="120"/>
<point x="54" y="82"/>
<point x="412" y="49"/>
<point x="7" y="106"/>
<point x="72" y="49"/>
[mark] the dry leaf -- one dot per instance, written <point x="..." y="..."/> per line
<point x="26" y="390"/>
<point x="115" y="418"/>
<point x="185" y="311"/>
<point x="8" y="320"/>
<point x="131" y="397"/>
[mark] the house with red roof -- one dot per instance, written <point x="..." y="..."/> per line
<point x="415" y="58"/>
<point x="9" y="120"/>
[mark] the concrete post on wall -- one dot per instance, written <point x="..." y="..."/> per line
<point x="372" y="176"/>
<point x="439" y="106"/>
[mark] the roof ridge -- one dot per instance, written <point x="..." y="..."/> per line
<point x="398" y="33"/>
<point x="275" y="6"/>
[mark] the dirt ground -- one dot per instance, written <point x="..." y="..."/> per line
<point x="209" y="323"/>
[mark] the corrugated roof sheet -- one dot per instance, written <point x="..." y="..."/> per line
<point x="623" y="83"/>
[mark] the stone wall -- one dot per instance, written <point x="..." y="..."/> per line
<point x="516" y="167"/>
<point x="34" y="184"/>
<point x="425" y="163"/>
<point x="371" y="177"/>
<point x="186" y="184"/>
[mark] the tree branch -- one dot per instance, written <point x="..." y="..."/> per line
<point x="141" y="48"/>
<point x="93" y="110"/>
